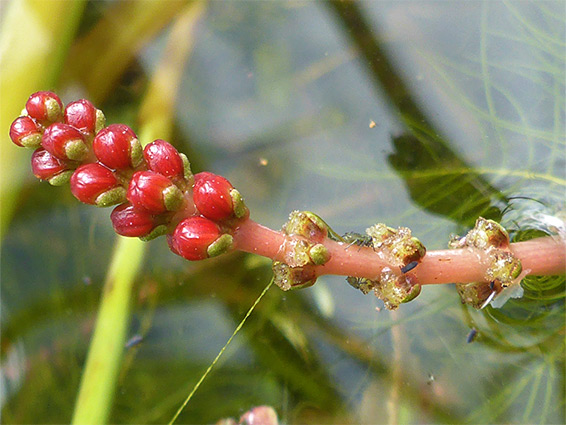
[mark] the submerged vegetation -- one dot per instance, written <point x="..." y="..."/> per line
<point x="466" y="120"/>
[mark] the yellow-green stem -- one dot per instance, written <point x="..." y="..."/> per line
<point x="98" y="384"/>
<point x="107" y="346"/>
<point x="34" y="42"/>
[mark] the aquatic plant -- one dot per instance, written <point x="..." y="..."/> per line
<point x="204" y="216"/>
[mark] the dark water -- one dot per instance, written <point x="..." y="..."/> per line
<point x="468" y="104"/>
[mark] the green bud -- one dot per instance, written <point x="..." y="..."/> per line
<point x="319" y="254"/>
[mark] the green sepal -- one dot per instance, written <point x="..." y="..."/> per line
<point x="54" y="112"/>
<point x="155" y="233"/>
<point x="187" y="173"/>
<point x="136" y="152"/>
<point x="414" y="293"/>
<point x="61" y="178"/>
<point x="111" y="197"/>
<point x="172" y="198"/>
<point x="76" y="150"/>
<point x="33" y="141"/>
<point x="487" y="233"/>
<point x="307" y="225"/>
<point x="100" y="121"/>
<point x="239" y="206"/>
<point x="220" y="246"/>
<point x="287" y="277"/>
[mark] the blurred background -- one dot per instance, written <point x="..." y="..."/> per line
<point x="422" y="114"/>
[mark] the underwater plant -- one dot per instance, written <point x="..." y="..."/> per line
<point x="285" y="120"/>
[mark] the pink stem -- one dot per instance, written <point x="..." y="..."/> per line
<point x="541" y="256"/>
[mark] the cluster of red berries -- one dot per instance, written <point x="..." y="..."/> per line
<point x="154" y="188"/>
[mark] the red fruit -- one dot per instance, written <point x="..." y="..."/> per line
<point x="211" y="194"/>
<point x="131" y="221"/>
<point x="24" y="132"/>
<point x="82" y="115"/>
<point x="65" y="142"/>
<point x="117" y="147"/>
<point x="163" y="158"/>
<point x="45" y="107"/>
<point x="46" y="166"/>
<point x="154" y="192"/>
<point x="192" y="237"/>
<point x="95" y="184"/>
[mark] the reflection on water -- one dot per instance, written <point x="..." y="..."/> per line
<point x="467" y="101"/>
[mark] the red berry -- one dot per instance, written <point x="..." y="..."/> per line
<point x="65" y="142"/>
<point x="153" y="192"/>
<point x="211" y="194"/>
<point x="95" y="184"/>
<point x="117" y="147"/>
<point x="82" y="115"/>
<point x="131" y="221"/>
<point x="163" y="158"/>
<point x="24" y="132"/>
<point x="192" y="237"/>
<point x="46" y="166"/>
<point x="45" y="107"/>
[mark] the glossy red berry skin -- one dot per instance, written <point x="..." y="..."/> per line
<point x="131" y="221"/>
<point x="81" y="114"/>
<point x="45" y="107"/>
<point x="65" y="142"/>
<point x="25" y="132"/>
<point x="192" y="237"/>
<point x="211" y="194"/>
<point x="114" y="146"/>
<point x="164" y="159"/>
<point x="152" y="191"/>
<point x="46" y="166"/>
<point x="90" y="181"/>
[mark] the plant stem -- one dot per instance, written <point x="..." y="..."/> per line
<point x="107" y="345"/>
<point x="540" y="256"/>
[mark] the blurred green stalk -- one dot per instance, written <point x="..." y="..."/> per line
<point x="98" y="382"/>
<point x="34" y="42"/>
